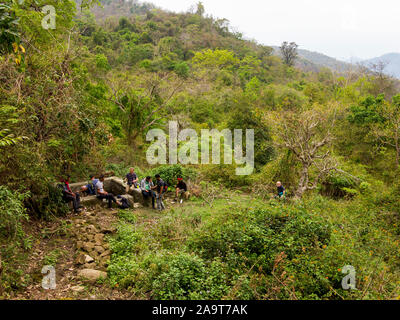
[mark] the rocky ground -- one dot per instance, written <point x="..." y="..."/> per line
<point x="76" y="246"/>
<point x="78" y="249"/>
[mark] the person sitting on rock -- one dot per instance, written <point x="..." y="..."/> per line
<point x="147" y="186"/>
<point x="102" y="194"/>
<point x="70" y="196"/>
<point x="90" y="188"/>
<point x="131" y="179"/>
<point x="181" y="189"/>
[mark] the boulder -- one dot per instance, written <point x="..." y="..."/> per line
<point x="116" y="186"/>
<point x="90" y="201"/>
<point x="92" y="274"/>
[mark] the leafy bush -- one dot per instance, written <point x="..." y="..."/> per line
<point x="126" y="241"/>
<point x="258" y="236"/>
<point x="170" y="173"/>
<point x="12" y="213"/>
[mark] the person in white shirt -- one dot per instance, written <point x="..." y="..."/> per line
<point x="102" y="194"/>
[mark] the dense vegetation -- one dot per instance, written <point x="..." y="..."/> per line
<point x="80" y="99"/>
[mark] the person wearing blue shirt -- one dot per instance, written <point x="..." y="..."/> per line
<point x="90" y="188"/>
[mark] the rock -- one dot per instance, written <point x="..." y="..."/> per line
<point x="108" y="230"/>
<point x="78" y="289"/>
<point x="89" y="201"/>
<point x="83" y="258"/>
<point x="88" y="259"/>
<point x="93" y="253"/>
<point x="105" y="254"/>
<point x="80" y="259"/>
<point x="92" y="274"/>
<point x="99" y="249"/>
<point x="91" y="229"/>
<point x="98" y="238"/>
<point x="88" y="246"/>
<point x="79" y="245"/>
<point x="89" y="265"/>
<point x="138" y="205"/>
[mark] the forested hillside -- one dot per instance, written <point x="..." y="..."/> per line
<point x="79" y="100"/>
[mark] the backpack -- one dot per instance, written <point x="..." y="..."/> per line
<point x="124" y="203"/>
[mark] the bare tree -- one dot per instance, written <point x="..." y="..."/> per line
<point x="384" y="83"/>
<point x="289" y="52"/>
<point x="309" y="137"/>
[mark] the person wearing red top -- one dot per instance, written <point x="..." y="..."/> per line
<point x="70" y="196"/>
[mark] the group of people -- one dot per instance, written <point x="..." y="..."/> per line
<point x="149" y="189"/>
<point x="94" y="187"/>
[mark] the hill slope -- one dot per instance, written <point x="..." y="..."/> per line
<point x="313" y="61"/>
<point x="391" y="59"/>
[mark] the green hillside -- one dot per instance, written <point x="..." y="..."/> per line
<point x="79" y="100"/>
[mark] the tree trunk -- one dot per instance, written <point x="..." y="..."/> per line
<point x="303" y="183"/>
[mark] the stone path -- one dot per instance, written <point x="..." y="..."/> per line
<point x="82" y="260"/>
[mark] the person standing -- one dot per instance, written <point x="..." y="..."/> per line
<point x="161" y="188"/>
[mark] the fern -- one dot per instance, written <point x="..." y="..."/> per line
<point x="8" y="139"/>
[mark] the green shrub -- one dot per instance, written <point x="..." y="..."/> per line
<point x="258" y="236"/>
<point x="170" y="173"/>
<point x="126" y="241"/>
<point x="12" y="213"/>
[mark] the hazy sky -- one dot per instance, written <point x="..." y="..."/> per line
<point x="339" y="28"/>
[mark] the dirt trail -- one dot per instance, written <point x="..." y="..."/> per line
<point x="70" y="244"/>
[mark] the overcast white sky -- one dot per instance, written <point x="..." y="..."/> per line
<point x="338" y="28"/>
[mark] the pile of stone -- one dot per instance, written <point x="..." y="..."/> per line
<point x="93" y="252"/>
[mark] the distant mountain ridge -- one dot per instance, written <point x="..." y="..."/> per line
<point x="392" y="61"/>
<point x="314" y="61"/>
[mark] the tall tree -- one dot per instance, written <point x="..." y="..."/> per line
<point x="308" y="135"/>
<point x="289" y="52"/>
